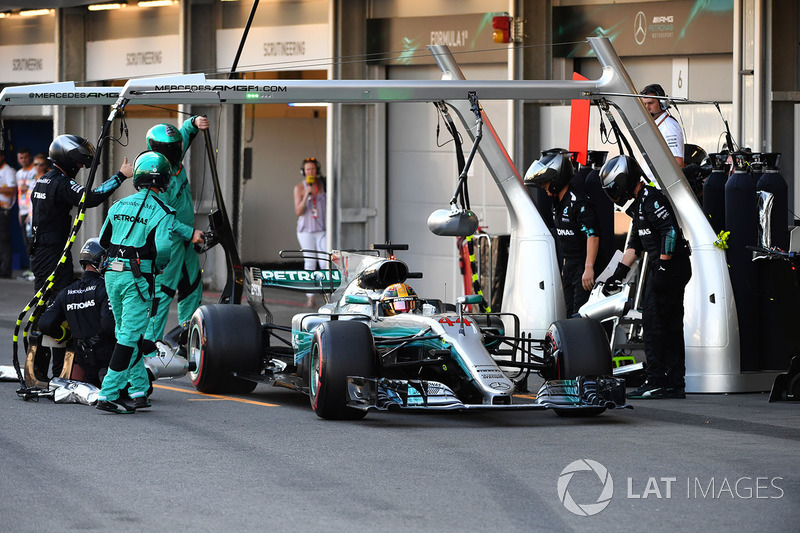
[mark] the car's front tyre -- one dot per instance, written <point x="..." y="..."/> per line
<point x="339" y="349"/>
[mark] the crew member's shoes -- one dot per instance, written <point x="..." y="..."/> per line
<point x="675" y="392"/>
<point x="648" y="391"/>
<point x="142" y="402"/>
<point x="118" y="406"/>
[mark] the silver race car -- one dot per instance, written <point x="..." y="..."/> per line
<point x="354" y="354"/>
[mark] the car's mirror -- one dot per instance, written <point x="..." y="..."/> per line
<point x="469" y="299"/>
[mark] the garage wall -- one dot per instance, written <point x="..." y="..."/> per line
<point x="279" y="146"/>
<point x="422" y="178"/>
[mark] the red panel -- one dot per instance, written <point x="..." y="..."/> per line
<point x="579" y="125"/>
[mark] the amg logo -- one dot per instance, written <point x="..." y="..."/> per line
<point x="220" y="88"/>
<point x="663" y="20"/>
<point x="80" y="305"/>
<point x="129" y="218"/>
<point x="73" y="95"/>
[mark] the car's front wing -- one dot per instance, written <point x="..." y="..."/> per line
<point x="589" y="394"/>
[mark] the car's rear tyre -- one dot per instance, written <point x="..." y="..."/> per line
<point x="339" y="349"/>
<point x="224" y="338"/>
<point x="578" y="347"/>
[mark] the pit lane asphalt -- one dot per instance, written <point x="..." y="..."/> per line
<point x="265" y="461"/>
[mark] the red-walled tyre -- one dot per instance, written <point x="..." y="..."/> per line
<point x="224" y="338"/>
<point x="339" y="349"/>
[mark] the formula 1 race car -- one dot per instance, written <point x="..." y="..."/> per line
<point x="352" y="356"/>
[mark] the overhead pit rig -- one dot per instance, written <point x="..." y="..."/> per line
<point x="532" y="288"/>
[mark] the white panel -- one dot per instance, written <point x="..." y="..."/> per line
<point x="297" y="47"/>
<point x="29" y="63"/>
<point x="680" y="78"/>
<point x="133" y="58"/>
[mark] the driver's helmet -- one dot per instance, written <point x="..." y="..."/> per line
<point x="399" y="298"/>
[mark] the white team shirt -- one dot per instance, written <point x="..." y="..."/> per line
<point x="8" y="178"/>
<point x="673" y="135"/>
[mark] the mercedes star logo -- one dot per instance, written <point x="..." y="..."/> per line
<point x="639" y="31"/>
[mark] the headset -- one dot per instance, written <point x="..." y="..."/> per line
<point x="657" y="90"/>
<point x="309" y="160"/>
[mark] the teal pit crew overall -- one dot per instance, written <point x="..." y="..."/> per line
<point x="182" y="274"/>
<point x="138" y="234"/>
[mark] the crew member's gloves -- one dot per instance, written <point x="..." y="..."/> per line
<point x="614" y="282"/>
<point x="661" y="276"/>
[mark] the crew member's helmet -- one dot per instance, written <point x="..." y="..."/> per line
<point x="619" y="177"/>
<point x="70" y="152"/>
<point x="399" y="298"/>
<point x="93" y="254"/>
<point x="166" y="139"/>
<point x="553" y="170"/>
<point x="151" y="169"/>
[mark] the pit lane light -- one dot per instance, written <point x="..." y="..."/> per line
<point x="107" y="6"/>
<point x="157" y="3"/>
<point x="506" y="29"/>
<point x="502" y="28"/>
<point x="36" y="12"/>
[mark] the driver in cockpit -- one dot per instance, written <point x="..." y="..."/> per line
<point x="399" y="298"/>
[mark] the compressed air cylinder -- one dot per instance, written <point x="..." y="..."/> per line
<point x="741" y="219"/>
<point x="578" y="181"/>
<point x="604" y="208"/>
<point x="772" y="182"/>
<point x="714" y="192"/>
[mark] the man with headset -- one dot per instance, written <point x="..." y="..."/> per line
<point x="669" y="127"/>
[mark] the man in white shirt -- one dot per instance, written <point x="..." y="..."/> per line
<point x="8" y="196"/>
<point x="25" y="177"/>
<point x="667" y="124"/>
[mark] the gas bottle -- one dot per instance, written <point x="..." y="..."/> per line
<point x="741" y="219"/>
<point x="714" y="191"/>
<point x="771" y="181"/>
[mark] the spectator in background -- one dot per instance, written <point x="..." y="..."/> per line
<point x="25" y="179"/>
<point x="8" y="195"/>
<point x="309" y="206"/>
